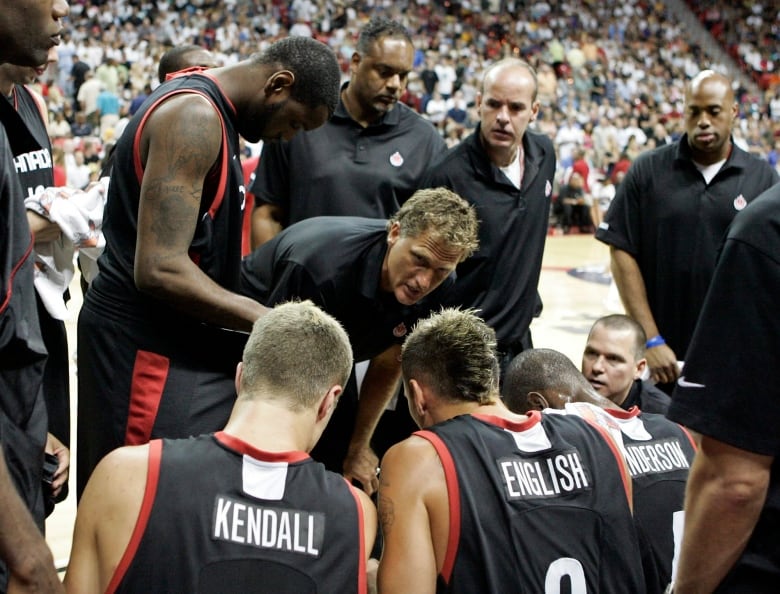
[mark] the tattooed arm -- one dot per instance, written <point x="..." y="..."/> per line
<point x="180" y="143"/>
<point x="414" y="516"/>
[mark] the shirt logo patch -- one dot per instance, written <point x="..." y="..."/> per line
<point x="396" y="159"/>
<point x="399" y="330"/>
<point x="740" y="202"/>
<point x="547" y="189"/>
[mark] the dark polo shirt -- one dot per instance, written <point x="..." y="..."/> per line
<point x="673" y="223"/>
<point x="344" y="169"/>
<point x="336" y="262"/>
<point x="501" y="278"/>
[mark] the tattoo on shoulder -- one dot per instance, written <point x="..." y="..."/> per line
<point x="386" y="510"/>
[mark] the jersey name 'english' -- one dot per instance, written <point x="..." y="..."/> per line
<point x="526" y="478"/>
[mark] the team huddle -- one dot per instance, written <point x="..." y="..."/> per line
<point x="226" y="441"/>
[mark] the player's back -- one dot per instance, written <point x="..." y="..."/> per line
<point x="537" y="506"/>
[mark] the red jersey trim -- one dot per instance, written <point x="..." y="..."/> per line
<point x="362" y="586"/>
<point x="689" y="436"/>
<point x="10" y="291"/>
<point x="152" y="479"/>
<point x="623" y="414"/>
<point x="534" y="417"/>
<point x="625" y="475"/>
<point x="150" y="373"/>
<point x="453" y="497"/>
<point x="239" y="445"/>
<point x="222" y="183"/>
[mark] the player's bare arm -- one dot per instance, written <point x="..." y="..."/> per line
<point x="181" y="143"/>
<point x="414" y="516"/>
<point x="106" y="517"/>
<point x="379" y="385"/>
<point x="730" y="484"/>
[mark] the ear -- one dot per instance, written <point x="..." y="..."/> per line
<point x="478" y="100"/>
<point x="418" y="398"/>
<point x="536" y="401"/>
<point x="394" y="233"/>
<point x="535" y="110"/>
<point x="329" y="402"/>
<point x="239" y="373"/>
<point x="641" y="365"/>
<point x="279" y="83"/>
<point x="354" y="62"/>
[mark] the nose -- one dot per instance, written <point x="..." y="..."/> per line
<point x="503" y="115"/>
<point x="424" y="280"/>
<point x="598" y="364"/>
<point x="394" y="82"/>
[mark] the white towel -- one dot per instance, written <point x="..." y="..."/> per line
<point x="79" y="215"/>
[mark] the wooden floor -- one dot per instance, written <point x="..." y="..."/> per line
<point x="571" y="304"/>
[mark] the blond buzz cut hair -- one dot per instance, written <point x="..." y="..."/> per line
<point x="295" y="352"/>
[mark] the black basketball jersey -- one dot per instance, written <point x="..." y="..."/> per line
<point x="659" y="454"/>
<point x="220" y="517"/>
<point x="538" y="507"/>
<point x="32" y="152"/>
<point x="216" y="245"/>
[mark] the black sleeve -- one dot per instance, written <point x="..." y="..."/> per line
<point x="270" y="280"/>
<point x="271" y="183"/>
<point x="621" y="225"/>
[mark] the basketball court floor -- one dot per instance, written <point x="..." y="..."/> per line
<point x="575" y="291"/>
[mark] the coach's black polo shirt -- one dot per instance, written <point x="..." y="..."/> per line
<point x="344" y="169"/>
<point x="501" y="278"/>
<point x="729" y="389"/>
<point x="336" y="262"/>
<point x="672" y="222"/>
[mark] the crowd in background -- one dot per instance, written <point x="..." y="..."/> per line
<point x="611" y="75"/>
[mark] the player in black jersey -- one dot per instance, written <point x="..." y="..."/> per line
<point x="25" y="115"/>
<point x="486" y="500"/>
<point x="658" y="452"/>
<point x="157" y="345"/>
<point x="28" y="29"/>
<point x="245" y="509"/>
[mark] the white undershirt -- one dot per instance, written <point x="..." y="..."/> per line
<point x="514" y="171"/>
<point x="709" y="171"/>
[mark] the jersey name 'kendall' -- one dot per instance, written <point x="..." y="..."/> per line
<point x="543" y="476"/>
<point x="654" y="457"/>
<point x="290" y="530"/>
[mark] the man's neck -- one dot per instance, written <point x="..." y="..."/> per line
<point x="270" y="426"/>
<point x="355" y="110"/>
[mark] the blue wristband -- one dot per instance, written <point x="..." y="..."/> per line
<point x="655" y="341"/>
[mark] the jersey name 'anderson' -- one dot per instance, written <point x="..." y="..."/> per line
<point x="654" y="457"/>
<point x="543" y="477"/>
<point x="289" y="530"/>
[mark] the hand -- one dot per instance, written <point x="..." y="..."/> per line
<point x="361" y="465"/>
<point x="44" y="230"/>
<point x="663" y="364"/>
<point x="55" y="446"/>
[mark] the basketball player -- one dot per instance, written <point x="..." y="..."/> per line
<point x="485" y="500"/>
<point x="245" y="509"/>
<point x="659" y="452"/>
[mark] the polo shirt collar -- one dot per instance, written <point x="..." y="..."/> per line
<point x="737" y="158"/>
<point x="533" y="155"/>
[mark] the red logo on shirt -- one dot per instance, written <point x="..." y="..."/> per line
<point x="399" y="330"/>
